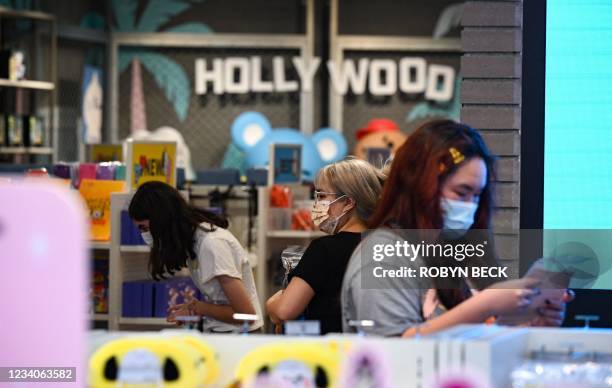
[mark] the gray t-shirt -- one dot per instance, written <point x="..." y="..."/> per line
<point x="393" y="303"/>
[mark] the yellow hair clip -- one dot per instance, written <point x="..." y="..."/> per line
<point x="457" y="155"/>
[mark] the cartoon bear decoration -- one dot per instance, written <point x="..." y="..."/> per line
<point x="252" y="135"/>
<point x="379" y="133"/>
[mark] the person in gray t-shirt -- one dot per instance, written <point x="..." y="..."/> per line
<point x="441" y="180"/>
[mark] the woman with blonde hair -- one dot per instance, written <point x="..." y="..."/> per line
<point x="346" y="193"/>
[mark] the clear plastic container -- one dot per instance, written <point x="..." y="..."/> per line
<point x="290" y="258"/>
<point x="555" y="374"/>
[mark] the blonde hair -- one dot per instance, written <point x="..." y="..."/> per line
<point x="358" y="180"/>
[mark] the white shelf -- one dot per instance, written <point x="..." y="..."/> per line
<point x="102" y="245"/>
<point x="135" y="248"/>
<point x="26" y="14"/>
<point x="99" y="317"/>
<point x="26" y="150"/>
<point x="27" y="84"/>
<point x="144" y="321"/>
<point x="304" y="234"/>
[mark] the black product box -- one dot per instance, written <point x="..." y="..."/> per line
<point x="14" y="130"/>
<point x="3" y="135"/>
<point x="5" y="58"/>
<point x="34" y="131"/>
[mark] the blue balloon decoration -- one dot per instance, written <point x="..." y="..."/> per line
<point x="252" y="133"/>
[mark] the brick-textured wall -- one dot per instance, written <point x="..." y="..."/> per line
<point x="491" y="65"/>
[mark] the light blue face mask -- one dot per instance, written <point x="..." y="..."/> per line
<point x="458" y="215"/>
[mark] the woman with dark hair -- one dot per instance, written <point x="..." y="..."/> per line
<point x="441" y="184"/>
<point x="183" y="236"/>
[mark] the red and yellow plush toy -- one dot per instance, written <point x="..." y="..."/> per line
<point x="379" y="133"/>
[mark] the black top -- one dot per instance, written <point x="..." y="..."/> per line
<point x="322" y="266"/>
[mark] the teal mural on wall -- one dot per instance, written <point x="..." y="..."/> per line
<point x="428" y="110"/>
<point x="169" y="75"/>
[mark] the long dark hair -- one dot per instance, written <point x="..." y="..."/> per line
<point x="411" y="195"/>
<point x="173" y="223"/>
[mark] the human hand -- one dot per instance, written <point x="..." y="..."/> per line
<point x="510" y="297"/>
<point x="552" y="314"/>
<point x="180" y="310"/>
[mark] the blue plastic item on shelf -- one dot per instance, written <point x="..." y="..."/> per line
<point x="132" y="297"/>
<point x="130" y="235"/>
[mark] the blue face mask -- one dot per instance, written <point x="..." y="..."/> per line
<point x="458" y="215"/>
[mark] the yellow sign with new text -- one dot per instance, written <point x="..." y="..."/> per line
<point x="151" y="161"/>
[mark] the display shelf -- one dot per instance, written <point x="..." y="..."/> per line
<point x="102" y="245"/>
<point x="27" y="84"/>
<point x="43" y="53"/>
<point x="25" y="14"/>
<point x="99" y="317"/>
<point x="135" y="248"/>
<point x="306" y="234"/>
<point x="26" y="150"/>
<point x="144" y="321"/>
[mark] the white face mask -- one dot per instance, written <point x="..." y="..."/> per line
<point x="458" y="215"/>
<point x="148" y="238"/>
<point x="321" y="218"/>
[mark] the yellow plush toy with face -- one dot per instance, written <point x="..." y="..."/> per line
<point x="177" y="361"/>
<point x="293" y="365"/>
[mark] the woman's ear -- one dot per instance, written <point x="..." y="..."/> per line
<point x="351" y="202"/>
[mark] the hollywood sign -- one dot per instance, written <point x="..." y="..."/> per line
<point x="379" y="77"/>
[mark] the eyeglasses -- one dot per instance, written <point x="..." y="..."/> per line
<point x="320" y="195"/>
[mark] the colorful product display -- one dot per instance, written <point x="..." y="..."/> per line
<point x="87" y="171"/>
<point x="12" y="64"/>
<point x="34" y="131"/>
<point x="366" y="366"/>
<point x="148" y="298"/>
<point x="172" y="292"/>
<point x="76" y="172"/>
<point x="14" y="130"/>
<point x="151" y="161"/>
<point x="3" y="136"/>
<point x="97" y="196"/>
<point x="295" y="365"/>
<point x="171" y="361"/>
<point x="99" y="286"/>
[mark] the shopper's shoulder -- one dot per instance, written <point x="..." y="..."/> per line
<point x="381" y="236"/>
<point x="335" y="241"/>
<point x="208" y="234"/>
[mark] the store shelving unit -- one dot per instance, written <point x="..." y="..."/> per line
<point x="134" y="248"/>
<point x="27" y="84"/>
<point x="26" y="150"/>
<point x="99" y="246"/>
<point x="144" y="321"/>
<point x="269" y="241"/>
<point x="126" y="262"/>
<point x="19" y="154"/>
<point x="99" y="317"/>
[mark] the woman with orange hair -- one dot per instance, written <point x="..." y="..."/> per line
<point x="440" y="191"/>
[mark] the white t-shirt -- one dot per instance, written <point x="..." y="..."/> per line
<point x="220" y="253"/>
